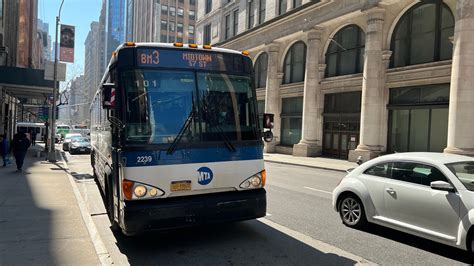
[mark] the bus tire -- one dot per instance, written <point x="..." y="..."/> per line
<point x="114" y="226"/>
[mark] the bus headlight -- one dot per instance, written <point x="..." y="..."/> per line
<point x="255" y="181"/>
<point x="138" y="191"/>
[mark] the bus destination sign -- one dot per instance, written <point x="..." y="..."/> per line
<point x="152" y="57"/>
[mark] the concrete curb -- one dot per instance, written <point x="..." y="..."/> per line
<point x="100" y="249"/>
<point x="306" y="165"/>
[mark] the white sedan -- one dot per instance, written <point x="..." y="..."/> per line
<point x="430" y="195"/>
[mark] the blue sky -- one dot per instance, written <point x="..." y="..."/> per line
<point x="79" y="13"/>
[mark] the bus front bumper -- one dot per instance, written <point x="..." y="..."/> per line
<point x="171" y="213"/>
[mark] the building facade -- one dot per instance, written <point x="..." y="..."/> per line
<point x="356" y="78"/>
<point x="115" y="24"/>
<point x="23" y="89"/>
<point x="161" y="21"/>
<point x="92" y="60"/>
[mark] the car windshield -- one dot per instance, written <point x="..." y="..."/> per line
<point x="464" y="172"/>
<point x="203" y="106"/>
<point x="80" y="140"/>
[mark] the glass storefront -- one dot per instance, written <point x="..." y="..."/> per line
<point x="291" y="120"/>
<point x="341" y="123"/>
<point x="418" y="118"/>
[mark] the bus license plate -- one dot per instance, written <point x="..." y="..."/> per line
<point x="180" y="185"/>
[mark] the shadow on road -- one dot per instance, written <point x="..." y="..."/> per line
<point x="250" y="242"/>
<point x="421" y="243"/>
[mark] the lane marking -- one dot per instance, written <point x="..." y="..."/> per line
<point x="323" y="191"/>
<point x="317" y="244"/>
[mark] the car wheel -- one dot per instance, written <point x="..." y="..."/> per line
<point x="352" y="211"/>
<point x="470" y="242"/>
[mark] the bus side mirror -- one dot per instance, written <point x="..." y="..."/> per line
<point x="267" y="136"/>
<point x="108" y="95"/>
<point x="268" y="121"/>
<point x="268" y="124"/>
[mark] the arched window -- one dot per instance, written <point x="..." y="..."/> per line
<point x="261" y="66"/>
<point x="345" y="54"/>
<point x="295" y="61"/>
<point x="422" y="35"/>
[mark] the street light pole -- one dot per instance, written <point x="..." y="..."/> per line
<point x="52" y="150"/>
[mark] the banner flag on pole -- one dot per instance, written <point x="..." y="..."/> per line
<point x="66" y="50"/>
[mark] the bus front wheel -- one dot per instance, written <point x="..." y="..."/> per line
<point x="111" y="208"/>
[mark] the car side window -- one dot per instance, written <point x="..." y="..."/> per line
<point x="381" y="170"/>
<point x="416" y="173"/>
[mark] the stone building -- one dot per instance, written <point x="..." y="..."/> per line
<point x="349" y="78"/>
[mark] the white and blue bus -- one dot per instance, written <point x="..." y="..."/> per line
<point x="175" y="138"/>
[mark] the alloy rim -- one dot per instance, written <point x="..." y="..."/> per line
<point x="351" y="211"/>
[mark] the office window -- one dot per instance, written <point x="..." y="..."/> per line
<point x="422" y="35"/>
<point x="208" y="6"/>
<point x="261" y="11"/>
<point x="179" y="27"/>
<point x="164" y="25"/>
<point x="172" y="38"/>
<point x="250" y="14"/>
<point x="180" y="12"/>
<point x="291" y="120"/>
<point x="192" y="15"/>
<point x="345" y="54"/>
<point x="295" y="62"/>
<point x="181" y="1"/>
<point x="236" y="22"/>
<point x="297" y="3"/>
<point x="172" y="28"/>
<point x="172" y="11"/>
<point x="282" y="5"/>
<point x="192" y="2"/>
<point x="191" y="30"/>
<point x="207" y="34"/>
<point x="261" y="66"/>
<point x="227" y="33"/>
<point x="164" y="10"/>
<point x="163" y="38"/>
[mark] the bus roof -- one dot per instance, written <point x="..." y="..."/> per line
<point x="29" y="124"/>
<point x="171" y="46"/>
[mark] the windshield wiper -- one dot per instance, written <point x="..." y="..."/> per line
<point x="181" y="133"/>
<point x="227" y="142"/>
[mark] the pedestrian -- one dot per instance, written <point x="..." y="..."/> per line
<point x="4" y="149"/>
<point x="20" y="145"/>
<point x="33" y="138"/>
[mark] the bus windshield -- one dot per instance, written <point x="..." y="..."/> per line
<point x="202" y="106"/>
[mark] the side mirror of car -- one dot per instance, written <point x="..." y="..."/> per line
<point x="441" y="185"/>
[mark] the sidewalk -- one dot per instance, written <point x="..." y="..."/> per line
<point x="314" y="162"/>
<point x="40" y="219"/>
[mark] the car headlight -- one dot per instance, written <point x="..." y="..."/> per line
<point x="256" y="181"/>
<point x="138" y="191"/>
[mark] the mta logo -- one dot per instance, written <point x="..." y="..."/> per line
<point x="205" y="175"/>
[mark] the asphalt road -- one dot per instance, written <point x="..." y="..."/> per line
<point x="300" y="228"/>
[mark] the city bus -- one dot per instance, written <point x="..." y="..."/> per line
<point x="32" y="128"/>
<point x="175" y="138"/>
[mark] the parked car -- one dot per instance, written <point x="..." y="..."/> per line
<point x="430" y="195"/>
<point x="80" y="145"/>
<point x="68" y="138"/>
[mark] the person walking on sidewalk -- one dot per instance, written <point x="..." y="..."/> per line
<point x="33" y="138"/>
<point x="20" y="145"/>
<point x="4" y="149"/>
